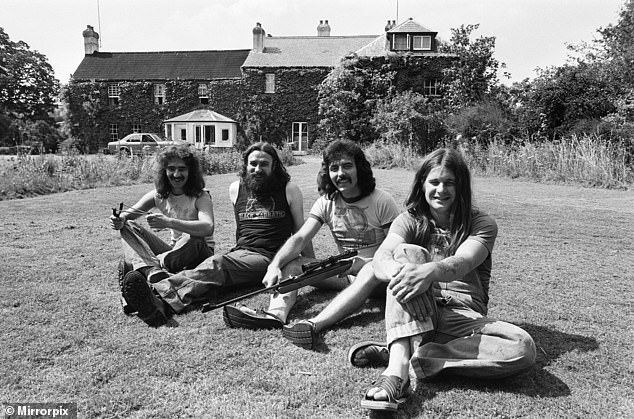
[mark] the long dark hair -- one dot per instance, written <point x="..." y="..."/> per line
<point x="195" y="180"/>
<point x="461" y="210"/>
<point x="278" y="171"/>
<point x="335" y="151"/>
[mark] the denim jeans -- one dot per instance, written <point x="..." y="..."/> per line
<point x="141" y="248"/>
<point x="460" y="339"/>
<point x="200" y="284"/>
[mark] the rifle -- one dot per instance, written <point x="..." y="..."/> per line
<point x="311" y="273"/>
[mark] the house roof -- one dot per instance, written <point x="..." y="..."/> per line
<point x="306" y="51"/>
<point x="201" y="115"/>
<point x="410" y="26"/>
<point x="184" y="65"/>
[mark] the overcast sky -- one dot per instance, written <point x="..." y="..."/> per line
<point x="529" y="33"/>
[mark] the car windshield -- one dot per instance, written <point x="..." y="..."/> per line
<point x="156" y="137"/>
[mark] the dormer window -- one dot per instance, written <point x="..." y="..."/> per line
<point x="421" y="43"/>
<point x="400" y="42"/>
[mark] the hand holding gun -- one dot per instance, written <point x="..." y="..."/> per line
<point x="311" y="273"/>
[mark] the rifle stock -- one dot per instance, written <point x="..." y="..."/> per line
<point x="312" y="273"/>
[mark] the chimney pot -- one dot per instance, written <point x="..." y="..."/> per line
<point x="91" y="40"/>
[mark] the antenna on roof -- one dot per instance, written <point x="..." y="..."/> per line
<point x="396" y="11"/>
<point x="99" y="23"/>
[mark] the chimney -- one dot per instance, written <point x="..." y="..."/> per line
<point x="258" y="38"/>
<point x="390" y="25"/>
<point x="323" y="29"/>
<point x="91" y="40"/>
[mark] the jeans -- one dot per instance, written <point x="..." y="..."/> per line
<point x="237" y="267"/>
<point x="459" y="339"/>
<point x="142" y="248"/>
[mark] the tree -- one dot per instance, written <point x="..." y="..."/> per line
<point x="474" y="76"/>
<point x="618" y="44"/>
<point x="27" y="86"/>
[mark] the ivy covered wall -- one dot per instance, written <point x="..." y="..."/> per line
<point x="91" y="115"/>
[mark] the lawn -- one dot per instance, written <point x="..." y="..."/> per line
<point x="563" y="270"/>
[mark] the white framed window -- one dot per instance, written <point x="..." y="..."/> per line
<point x="114" y="132"/>
<point x="225" y="135"/>
<point x="114" y="92"/>
<point x="270" y="83"/>
<point x="136" y="127"/>
<point x="159" y="94"/>
<point x="299" y="136"/>
<point x="203" y="93"/>
<point x="421" y="42"/>
<point x="430" y="87"/>
<point x="400" y="42"/>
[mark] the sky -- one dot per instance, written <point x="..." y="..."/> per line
<point x="529" y="33"/>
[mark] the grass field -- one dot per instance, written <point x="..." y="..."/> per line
<point x="563" y="270"/>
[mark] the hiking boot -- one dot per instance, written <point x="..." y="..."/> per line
<point x="138" y="294"/>
<point x="122" y="269"/>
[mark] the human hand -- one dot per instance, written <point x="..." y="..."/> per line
<point x="158" y="221"/>
<point x="412" y="280"/>
<point x="116" y="223"/>
<point x="272" y="277"/>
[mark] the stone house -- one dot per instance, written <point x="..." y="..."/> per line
<point x="270" y="90"/>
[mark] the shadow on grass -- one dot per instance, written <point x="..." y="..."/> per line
<point x="550" y="343"/>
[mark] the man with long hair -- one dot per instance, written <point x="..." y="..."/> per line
<point x="440" y="245"/>
<point x="185" y="207"/>
<point x="268" y="209"/>
<point x="358" y="216"/>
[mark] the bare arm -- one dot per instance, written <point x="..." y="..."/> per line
<point x="143" y="205"/>
<point x="408" y="280"/>
<point x="296" y="202"/>
<point x="203" y="226"/>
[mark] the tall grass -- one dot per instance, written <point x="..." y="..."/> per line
<point x="27" y="175"/>
<point x="585" y="160"/>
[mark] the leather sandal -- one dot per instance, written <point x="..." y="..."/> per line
<point x="397" y="393"/>
<point x="302" y="333"/>
<point x="234" y="317"/>
<point x="369" y="354"/>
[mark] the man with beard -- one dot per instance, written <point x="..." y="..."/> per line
<point x="358" y="216"/>
<point x="268" y="210"/>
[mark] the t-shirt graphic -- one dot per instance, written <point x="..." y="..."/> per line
<point x="256" y="209"/>
<point x="351" y="228"/>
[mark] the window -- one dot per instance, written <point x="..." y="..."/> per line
<point x="422" y="42"/>
<point x="203" y="93"/>
<point x="159" y="94"/>
<point x="270" y="83"/>
<point x="114" y="91"/>
<point x="300" y="136"/>
<point x="136" y="127"/>
<point x="400" y="42"/>
<point x="430" y="87"/>
<point x="114" y="132"/>
<point x="225" y="135"/>
<point x="183" y="134"/>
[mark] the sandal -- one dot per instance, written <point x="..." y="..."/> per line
<point x="397" y="394"/>
<point x="302" y="333"/>
<point x="234" y="317"/>
<point x="369" y="354"/>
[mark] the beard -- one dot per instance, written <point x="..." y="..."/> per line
<point x="261" y="184"/>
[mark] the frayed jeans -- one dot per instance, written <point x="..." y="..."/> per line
<point x="459" y="339"/>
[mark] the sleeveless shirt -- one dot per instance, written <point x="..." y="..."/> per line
<point x="181" y="207"/>
<point x="263" y="224"/>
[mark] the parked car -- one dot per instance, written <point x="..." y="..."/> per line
<point x="139" y="143"/>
